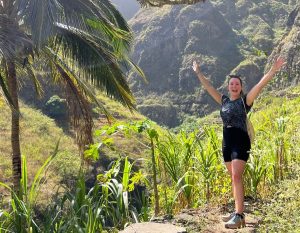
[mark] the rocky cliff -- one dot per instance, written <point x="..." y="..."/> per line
<point x="289" y="47"/>
<point x="168" y="39"/>
<point x="226" y="36"/>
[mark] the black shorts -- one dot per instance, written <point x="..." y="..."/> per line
<point x="236" y="144"/>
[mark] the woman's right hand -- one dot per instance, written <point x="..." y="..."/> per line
<point x="206" y="83"/>
<point x="196" y="67"/>
<point x="278" y="64"/>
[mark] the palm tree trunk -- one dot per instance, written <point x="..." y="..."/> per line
<point x="154" y="170"/>
<point x="15" y="127"/>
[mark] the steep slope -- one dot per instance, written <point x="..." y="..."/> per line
<point x="39" y="136"/>
<point x="168" y="38"/>
<point x="289" y="47"/>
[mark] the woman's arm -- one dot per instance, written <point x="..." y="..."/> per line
<point x="206" y="84"/>
<point x="254" y="92"/>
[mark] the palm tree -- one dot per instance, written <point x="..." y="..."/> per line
<point x="80" y="43"/>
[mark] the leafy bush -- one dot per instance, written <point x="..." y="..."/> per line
<point x="56" y="107"/>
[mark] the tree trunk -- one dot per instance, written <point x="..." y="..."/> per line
<point x="15" y="128"/>
<point x="156" y="197"/>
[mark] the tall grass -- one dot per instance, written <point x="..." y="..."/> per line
<point x="21" y="217"/>
<point x="190" y="170"/>
<point x="105" y="205"/>
<point x="187" y="166"/>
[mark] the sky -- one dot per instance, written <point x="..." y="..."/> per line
<point x="127" y="7"/>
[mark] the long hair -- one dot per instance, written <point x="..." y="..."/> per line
<point x="239" y="78"/>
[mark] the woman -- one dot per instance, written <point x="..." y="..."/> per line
<point x="236" y="142"/>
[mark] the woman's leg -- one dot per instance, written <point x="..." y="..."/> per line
<point x="238" y="167"/>
<point x="227" y="217"/>
<point x="229" y="169"/>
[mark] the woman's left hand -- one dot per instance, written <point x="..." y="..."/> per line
<point x="278" y="64"/>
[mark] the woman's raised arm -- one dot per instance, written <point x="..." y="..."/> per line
<point x="254" y="92"/>
<point x="206" y="84"/>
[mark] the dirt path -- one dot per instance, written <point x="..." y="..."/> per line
<point x="208" y="220"/>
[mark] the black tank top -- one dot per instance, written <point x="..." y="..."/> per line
<point x="233" y="112"/>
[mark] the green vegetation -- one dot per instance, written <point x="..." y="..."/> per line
<point x="188" y="167"/>
<point x="281" y="212"/>
<point x="151" y="171"/>
<point x="38" y="136"/>
<point x="78" y="210"/>
<point x="56" y="107"/>
<point x="78" y="45"/>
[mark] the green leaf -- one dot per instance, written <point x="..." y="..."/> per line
<point x="93" y="151"/>
<point x="152" y="133"/>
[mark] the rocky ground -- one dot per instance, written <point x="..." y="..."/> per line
<point x="206" y="220"/>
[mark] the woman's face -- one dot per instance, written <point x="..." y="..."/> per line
<point x="234" y="88"/>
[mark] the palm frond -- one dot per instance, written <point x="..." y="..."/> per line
<point x="137" y="70"/>
<point x="79" y="108"/>
<point x="13" y="41"/>
<point x="101" y="10"/>
<point x="39" y="16"/>
<point x="82" y="9"/>
<point x="19" y="7"/>
<point x="5" y="93"/>
<point x="61" y="67"/>
<point x="114" y="15"/>
<point x="32" y="75"/>
<point x="118" y="38"/>
<point x="42" y="15"/>
<point x="91" y="34"/>
<point x="96" y="62"/>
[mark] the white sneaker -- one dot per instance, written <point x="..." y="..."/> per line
<point x="227" y="217"/>
<point x="237" y="221"/>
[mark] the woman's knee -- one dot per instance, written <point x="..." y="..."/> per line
<point x="236" y="177"/>
<point x="229" y="168"/>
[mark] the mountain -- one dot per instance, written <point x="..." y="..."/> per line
<point x="289" y="47"/>
<point x="226" y="36"/>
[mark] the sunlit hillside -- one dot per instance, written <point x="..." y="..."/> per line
<point x="39" y="136"/>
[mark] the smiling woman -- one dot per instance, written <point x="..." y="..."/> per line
<point x="236" y="141"/>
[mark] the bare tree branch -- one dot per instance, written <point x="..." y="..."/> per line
<point x="159" y="3"/>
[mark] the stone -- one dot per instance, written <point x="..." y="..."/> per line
<point x="150" y="227"/>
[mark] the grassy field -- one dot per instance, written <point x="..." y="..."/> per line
<point x="39" y="135"/>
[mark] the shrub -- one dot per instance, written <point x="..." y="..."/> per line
<point x="55" y="107"/>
